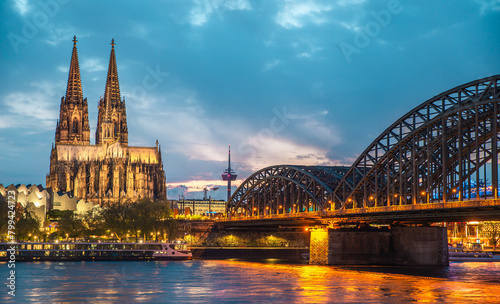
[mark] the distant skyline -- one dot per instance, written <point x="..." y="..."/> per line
<point x="284" y="82"/>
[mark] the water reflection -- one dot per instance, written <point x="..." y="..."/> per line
<point x="250" y="282"/>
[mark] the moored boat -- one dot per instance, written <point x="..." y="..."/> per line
<point x="91" y="251"/>
<point x="457" y="254"/>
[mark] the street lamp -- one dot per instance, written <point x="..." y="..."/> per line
<point x="424" y="198"/>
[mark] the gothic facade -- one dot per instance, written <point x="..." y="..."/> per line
<point x="110" y="171"/>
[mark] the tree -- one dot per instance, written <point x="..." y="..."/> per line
<point x="491" y="230"/>
<point x="27" y="224"/>
<point x="70" y="225"/>
<point x="134" y="217"/>
<point x="164" y="223"/>
<point x="93" y="223"/>
<point x="4" y="217"/>
<point x="154" y="218"/>
<point x="116" y="218"/>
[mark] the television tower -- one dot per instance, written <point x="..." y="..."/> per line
<point x="229" y="175"/>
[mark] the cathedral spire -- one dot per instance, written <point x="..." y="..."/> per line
<point x="74" y="90"/>
<point x="73" y="124"/>
<point x="112" y="84"/>
<point x="112" y="116"/>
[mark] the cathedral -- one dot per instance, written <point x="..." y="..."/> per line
<point x="110" y="171"/>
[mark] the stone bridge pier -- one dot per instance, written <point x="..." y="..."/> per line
<point x="397" y="245"/>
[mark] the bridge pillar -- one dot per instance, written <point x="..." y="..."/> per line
<point x="395" y="246"/>
<point x="319" y="246"/>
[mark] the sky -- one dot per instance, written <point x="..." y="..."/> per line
<point x="304" y="82"/>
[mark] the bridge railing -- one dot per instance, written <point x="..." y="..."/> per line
<point x="371" y="210"/>
<point x="417" y="207"/>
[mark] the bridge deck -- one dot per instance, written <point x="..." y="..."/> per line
<point x="485" y="209"/>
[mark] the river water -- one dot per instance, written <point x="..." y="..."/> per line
<point x="226" y="281"/>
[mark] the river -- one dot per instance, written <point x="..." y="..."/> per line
<point x="227" y="281"/>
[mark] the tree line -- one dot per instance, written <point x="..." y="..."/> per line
<point x="146" y="219"/>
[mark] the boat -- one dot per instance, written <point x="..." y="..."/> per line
<point x="92" y="251"/>
<point x="458" y="254"/>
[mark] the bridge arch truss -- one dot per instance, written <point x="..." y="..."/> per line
<point x="286" y="189"/>
<point x="446" y="149"/>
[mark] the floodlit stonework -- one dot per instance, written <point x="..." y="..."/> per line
<point x="110" y="171"/>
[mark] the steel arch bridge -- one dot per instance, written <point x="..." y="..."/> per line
<point x="286" y="189"/>
<point x="444" y="150"/>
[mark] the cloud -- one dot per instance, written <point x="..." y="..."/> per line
<point x="63" y="68"/>
<point x="320" y="132"/>
<point x="34" y="110"/>
<point x="57" y="35"/>
<point x="488" y="5"/>
<point x="203" y="9"/>
<point x="352" y="26"/>
<point x="194" y="189"/>
<point x="186" y="129"/>
<point x="307" y="47"/>
<point x="296" y="14"/>
<point x="199" y="185"/>
<point x="184" y="113"/>
<point x="21" y="6"/>
<point x="260" y="152"/>
<point x="350" y="2"/>
<point x="271" y="65"/>
<point x="92" y="65"/>
<point x="307" y="116"/>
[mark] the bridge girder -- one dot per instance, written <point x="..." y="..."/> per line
<point x="285" y="189"/>
<point x="431" y="153"/>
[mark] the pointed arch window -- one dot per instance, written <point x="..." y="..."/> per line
<point x="115" y="124"/>
<point x="75" y="125"/>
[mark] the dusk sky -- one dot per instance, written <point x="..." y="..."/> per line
<point x="283" y="82"/>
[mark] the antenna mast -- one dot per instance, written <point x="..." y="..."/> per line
<point x="229" y="175"/>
